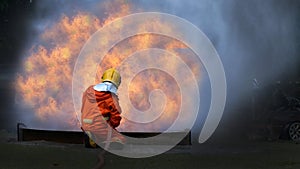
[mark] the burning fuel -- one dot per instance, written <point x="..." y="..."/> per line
<point x="44" y="84"/>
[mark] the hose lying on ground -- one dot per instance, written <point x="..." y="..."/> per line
<point x="100" y="163"/>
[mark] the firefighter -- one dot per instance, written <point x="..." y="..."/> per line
<point x="100" y="112"/>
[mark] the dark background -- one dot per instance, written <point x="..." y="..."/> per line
<point x="14" y="34"/>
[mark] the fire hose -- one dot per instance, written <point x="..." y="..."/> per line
<point x="106" y="146"/>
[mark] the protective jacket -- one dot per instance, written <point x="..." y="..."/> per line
<point x="100" y="108"/>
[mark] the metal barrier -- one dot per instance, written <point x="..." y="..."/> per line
<point x="77" y="137"/>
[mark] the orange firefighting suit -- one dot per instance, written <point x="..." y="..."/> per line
<point x="100" y="109"/>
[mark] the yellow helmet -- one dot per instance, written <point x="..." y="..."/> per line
<point x="113" y="76"/>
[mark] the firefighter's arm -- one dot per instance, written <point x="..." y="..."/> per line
<point x="115" y="112"/>
<point x="115" y="118"/>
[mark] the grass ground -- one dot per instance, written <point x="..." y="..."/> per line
<point x="259" y="155"/>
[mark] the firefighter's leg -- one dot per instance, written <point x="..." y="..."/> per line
<point x="117" y="140"/>
<point x="89" y="140"/>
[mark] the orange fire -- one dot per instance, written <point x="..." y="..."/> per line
<point x="45" y="84"/>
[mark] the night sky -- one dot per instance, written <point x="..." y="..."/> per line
<point x="255" y="39"/>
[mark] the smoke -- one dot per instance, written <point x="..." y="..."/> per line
<point x="255" y="39"/>
<point x="264" y="35"/>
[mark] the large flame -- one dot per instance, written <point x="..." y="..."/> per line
<point x="45" y="82"/>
